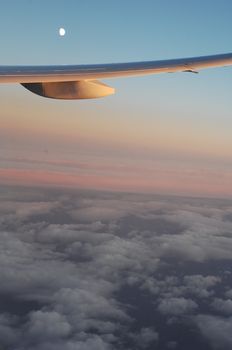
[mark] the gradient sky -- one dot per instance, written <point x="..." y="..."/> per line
<point x="169" y="133"/>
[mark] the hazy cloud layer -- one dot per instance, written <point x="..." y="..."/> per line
<point x="89" y="270"/>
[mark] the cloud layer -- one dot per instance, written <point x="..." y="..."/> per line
<point x="91" y="270"/>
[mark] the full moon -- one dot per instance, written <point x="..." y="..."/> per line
<point x="61" y="32"/>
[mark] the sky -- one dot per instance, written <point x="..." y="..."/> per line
<point x="168" y="133"/>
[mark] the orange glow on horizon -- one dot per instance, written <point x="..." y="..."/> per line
<point x="121" y="150"/>
<point x="178" y="183"/>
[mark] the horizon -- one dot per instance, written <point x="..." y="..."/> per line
<point x="161" y="133"/>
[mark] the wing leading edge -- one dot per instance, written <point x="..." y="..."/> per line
<point x="80" y="81"/>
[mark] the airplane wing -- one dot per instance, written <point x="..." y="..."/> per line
<point x="81" y="81"/>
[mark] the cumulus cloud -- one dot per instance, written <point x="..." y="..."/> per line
<point x="216" y="330"/>
<point x="190" y="285"/>
<point x="145" y="338"/>
<point x="47" y="325"/>
<point x="74" y="268"/>
<point x="24" y="210"/>
<point x="177" y="306"/>
<point x="201" y="286"/>
<point x="223" y="306"/>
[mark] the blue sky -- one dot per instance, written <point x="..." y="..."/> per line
<point x="112" y="31"/>
<point x="184" y="118"/>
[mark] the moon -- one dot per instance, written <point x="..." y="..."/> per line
<point x="62" y="31"/>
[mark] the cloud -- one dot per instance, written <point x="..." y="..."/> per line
<point x="177" y="306"/>
<point x="98" y="213"/>
<point x="23" y="210"/>
<point x="190" y="285"/>
<point x="9" y="332"/>
<point x="145" y="338"/>
<point x="93" y="342"/>
<point x="223" y="306"/>
<point x="229" y="293"/>
<point x="82" y="265"/>
<point x="47" y="325"/>
<point x="172" y="344"/>
<point x="216" y="329"/>
<point x="199" y="285"/>
<point x="85" y="308"/>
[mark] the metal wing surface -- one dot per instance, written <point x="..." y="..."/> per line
<point x="81" y="81"/>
